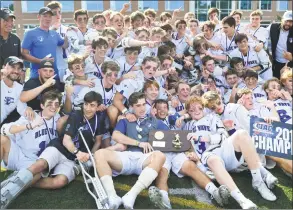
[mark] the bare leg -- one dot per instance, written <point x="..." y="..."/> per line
<point x="162" y="179"/>
<point x="5" y="148"/>
<point x="113" y="114"/>
<point x="56" y="182"/>
<point x="283" y="163"/>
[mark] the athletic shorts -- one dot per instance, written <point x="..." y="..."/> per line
<point x="58" y="163"/>
<point x="175" y="161"/>
<point x="132" y="162"/>
<point x="17" y="159"/>
<point x="227" y="153"/>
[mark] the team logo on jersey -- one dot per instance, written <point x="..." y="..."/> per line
<point x="8" y="100"/>
<point x="40" y="38"/>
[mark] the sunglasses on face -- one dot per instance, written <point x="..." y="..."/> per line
<point x="110" y="74"/>
<point x="78" y="65"/>
<point x="57" y="13"/>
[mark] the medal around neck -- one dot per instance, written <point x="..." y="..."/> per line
<point x="159" y="135"/>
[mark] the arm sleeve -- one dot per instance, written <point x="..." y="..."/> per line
<point x="218" y="133"/>
<point x="264" y="59"/>
<point x="121" y="126"/>
<point x="242" y="115"/>
<point x="21" y="107"/>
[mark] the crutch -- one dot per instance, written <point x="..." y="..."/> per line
<point x="102" y="199"/>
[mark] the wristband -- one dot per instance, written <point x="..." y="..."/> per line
<point x="75" y="151"/>
<point x="124" y="111"/>
<point x="27" y="127"/>
<point x="136" y="143"/>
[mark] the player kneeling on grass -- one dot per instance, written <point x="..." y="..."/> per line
<point x="138" y="158"/>
<point x="58" y="158"/>
<point x="182" y="165"/>
<point x="23" y="141"/>
<point x="230" y="152"/>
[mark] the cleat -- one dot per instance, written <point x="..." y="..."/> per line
<point x="115" y="202"/>
<point x="224" y="193"/>
<point x="247" y="204"/>
<point x="264" y="191"/>
<point x="156" y="198"/>
<point x="271" y="181"/>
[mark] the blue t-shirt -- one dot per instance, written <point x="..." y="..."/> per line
<point x="41" y="43"/>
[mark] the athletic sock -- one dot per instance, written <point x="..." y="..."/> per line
<point x="264" y="172"/>
<point x="147" y="176"/>
<point x="165" y="195"/>
<point x="210" y="188"/>
<point x="237" y="195"/>
<point x="108" y="185"/>
<point x="256" y="175"/>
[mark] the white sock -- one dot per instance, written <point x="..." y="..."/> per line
<point x="237" y="195"/>
<point x="256" y="175"/>
<point x="108" y="185"/>
<point x="210" y="188"/>
<point x="147" y="176"/>
<point x="165" y="195"/>
<point x="263" y="171"/>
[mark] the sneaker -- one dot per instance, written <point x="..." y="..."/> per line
<point x="221" y="195"/>
<point x="114" y="202"/>
<point x="270" y="180"/>
<point x="157" y="198"/>
<point x="264" y="191"/>
<point x="247" y="204"/>
<point x="76" y="169"/>
<point x="225" y="194"/>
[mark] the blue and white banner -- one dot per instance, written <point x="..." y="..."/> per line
<point x="272" y="139"/>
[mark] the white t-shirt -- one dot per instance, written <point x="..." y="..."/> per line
<point x="91" y="67"/>
<point x="10" y="100"/>
<point x="181" y="44"/>
<point x="61" y="53"/>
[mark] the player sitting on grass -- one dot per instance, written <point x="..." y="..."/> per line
<point x="238" y="147"/>
<point x="23" y="141"/>
<point x="58" y="158"/>
<point x="182" y="165"/>
<point x="138" y="158"/>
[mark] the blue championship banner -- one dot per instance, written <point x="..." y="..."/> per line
<point x="272" y="139"/>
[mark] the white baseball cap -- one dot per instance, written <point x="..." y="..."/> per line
<point x="287" y="15"/>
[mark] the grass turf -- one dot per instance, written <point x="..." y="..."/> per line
<point x="75" y="195"/>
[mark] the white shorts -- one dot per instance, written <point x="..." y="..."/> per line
<point x="175" y="161"/>
<point x="58" y="162"/>
<point x="17" y="160"/>
<point x="132" y="162"/>
<point x="227" y="153"/>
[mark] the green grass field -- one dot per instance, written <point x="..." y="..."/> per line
<point x="75" y="195"/>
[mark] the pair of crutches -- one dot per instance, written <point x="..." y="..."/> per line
<point x="97" y="190"/>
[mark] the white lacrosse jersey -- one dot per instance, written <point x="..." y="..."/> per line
<point x="284" y="109"/>
<point x="179" y="108"/>
<point x="10" y="99"/>
<point x="260" y="110"/>
<point x="33" y="142"/>
<point x="147" y="51"/>
<point x="94" y="69"/>
<point x="181" y="44"/>
<point x="61" y="53"/>
<point x="107" y="94"/>
<point x="124" y="66"/>
<point x="260" y="34"/>
<point x="238" y="114"/>
<point x="258" y="94"/>
<point x="253" y="58"/>
<point x="118" y="51"/>
<point x="77" y="39"/>
<point x="210" y="126"/>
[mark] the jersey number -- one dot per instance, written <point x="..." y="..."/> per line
<point x="201" y="147"/>
<point x="42" y="147"/>
<point x="283" y="116"/>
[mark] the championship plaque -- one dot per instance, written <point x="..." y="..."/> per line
<point x="169" y="140"/>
